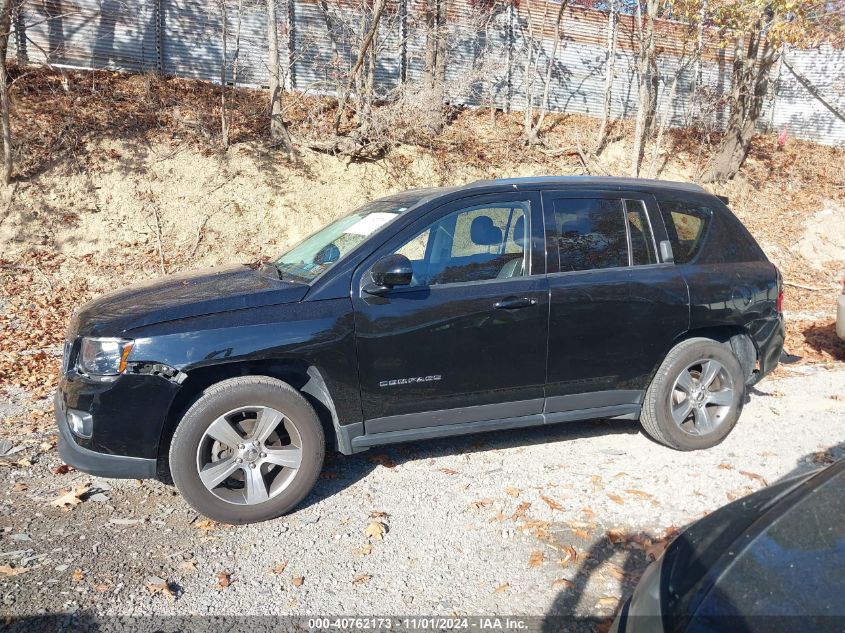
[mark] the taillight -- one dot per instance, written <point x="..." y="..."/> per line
<point x="780" y="300"/>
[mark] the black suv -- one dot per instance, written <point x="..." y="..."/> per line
<point x="430" y="313"/>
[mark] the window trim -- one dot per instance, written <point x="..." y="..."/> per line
<point x="625" y="210"/>
<point x="535" y="249"/>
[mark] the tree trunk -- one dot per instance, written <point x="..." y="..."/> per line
<point x="224" y="121"/>
<point x="5" y="27"/>
<point x="278" y="130"/>
<point x="547" y="80"/>
<point x="378" y="9"/>
<point x="434" y="73"/>
<point x="750" y="83"/>
<point x="648" y="82"/>
<point x="610" y="72"/>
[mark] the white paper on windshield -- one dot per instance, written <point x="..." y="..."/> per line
<point x="370" y="223"/>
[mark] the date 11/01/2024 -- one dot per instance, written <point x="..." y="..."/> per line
<point x="419" y="624"/>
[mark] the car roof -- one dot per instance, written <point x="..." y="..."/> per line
<point x="564" y="182"/>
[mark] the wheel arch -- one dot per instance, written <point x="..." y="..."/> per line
<point x="299" y="374"/>
<point x="738" y="338"/>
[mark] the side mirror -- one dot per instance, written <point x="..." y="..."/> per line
<point x="389" y="271"/>
<point x="666" y="254"/>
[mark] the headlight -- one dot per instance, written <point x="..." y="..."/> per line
<point x="104" y="356"/>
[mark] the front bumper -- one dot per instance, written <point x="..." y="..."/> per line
<point x="100" y="464"/>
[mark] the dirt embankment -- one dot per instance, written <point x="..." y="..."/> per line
<point x="112" y="195"/>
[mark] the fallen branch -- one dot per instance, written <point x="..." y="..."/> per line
<point x="810" y="288"/>
<point x="200" y="231"/>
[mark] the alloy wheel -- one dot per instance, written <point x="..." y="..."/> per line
<point x="249" y="455"/>
<point x="702" y="397"/>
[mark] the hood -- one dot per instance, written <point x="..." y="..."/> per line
<point x="180" y="297"/>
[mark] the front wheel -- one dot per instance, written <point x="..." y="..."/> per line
<point x="248" y="450"/>
<point x="696" y="397"/>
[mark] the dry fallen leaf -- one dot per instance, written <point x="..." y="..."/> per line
<point x="297" y="582"/>
<point x="360" y="579"/>
<point x="615" y="498"/>
<point x="596" y="479"/>
<point x="583" y="534"/>
<point x="224" y="579"/>
<point x="102" y="588"/>
<point x="617" y="573"/>
<point x="607" y="601"/>
<point x="563" y="582"/>
<point x="71" y="498"/>
<point x="554" y="505"/>
<point x="639" y="493"/>
<point x="754" y="476"/>
<point x="616" y="536"/>
<point x="822" y="457"/>
<point x="382" y="460"/>
<point x="6" y="570"/>
<point x="480" y="503"/>
<point x="654" y="550"/>
<point x="726" y="466"/>
<point x="162" y="588"/>
<point x="502" y="588"/>
<point x="77" y="575"/>
<point x="569" y="556"/>
<point x="328" y="474"/>
<point x="376" y="530"/>
<point x="278" y="569"/>
<point x="379" y="514"/>
<point x="589" y="514"/>
<point x="536" y="559"/>
<point x="521" y="509"/>
<point x="448" y="471"/>
<point x="64" y="469"/>
<point x="513" y="492"/>
<point x="188" y="565"/>
<point x="364" y="550"/>
<point x="206" y="525"/>
<point x="19" y="487"/>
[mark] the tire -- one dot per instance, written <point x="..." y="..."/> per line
<point x="678" y="392"/>
<point x="249" y="433"/>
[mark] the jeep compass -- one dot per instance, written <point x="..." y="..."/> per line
<point x="431" y="313"/>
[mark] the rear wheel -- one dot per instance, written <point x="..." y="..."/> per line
<point x="249" y="449"/>
<point x="696" y="396"/>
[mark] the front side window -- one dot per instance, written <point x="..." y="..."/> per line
<point x="597" y="233"/>
<point x="319" y="252"/>
<point x="478" y="243"/>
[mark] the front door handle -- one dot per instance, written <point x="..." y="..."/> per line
<point x="514" y="303"/>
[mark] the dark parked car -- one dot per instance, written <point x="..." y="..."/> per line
<point x="768" y="563"/>
<point x="430" y="313"/>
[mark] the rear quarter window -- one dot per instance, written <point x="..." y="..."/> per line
<point x="702" y="228"/>
<point x="686" y="223"/>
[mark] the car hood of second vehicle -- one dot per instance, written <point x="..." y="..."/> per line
<point x="182" y="296"/>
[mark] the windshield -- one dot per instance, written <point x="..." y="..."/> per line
<point x="322" y="250"/>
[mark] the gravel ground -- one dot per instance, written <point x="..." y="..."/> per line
<point x="508" y="523"/>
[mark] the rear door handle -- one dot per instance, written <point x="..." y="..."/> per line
<point x="514" y="303"/>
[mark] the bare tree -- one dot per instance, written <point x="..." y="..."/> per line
<point x="609" y="73"/>
<point x="665" y="116"/>
<point x="278" y="130"/>
<point x="224" y="35"/>
<point x="533" y="125"/>
<point x="647" y="80"/>
<point x="748" y="91"/>
<point x="354" y="74"/>
<point x="434" y="73"/>
<point x="5" y="29"/>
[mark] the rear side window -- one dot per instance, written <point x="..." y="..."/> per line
<point x="596" y="233"/>
<point x="686" y="224"/>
